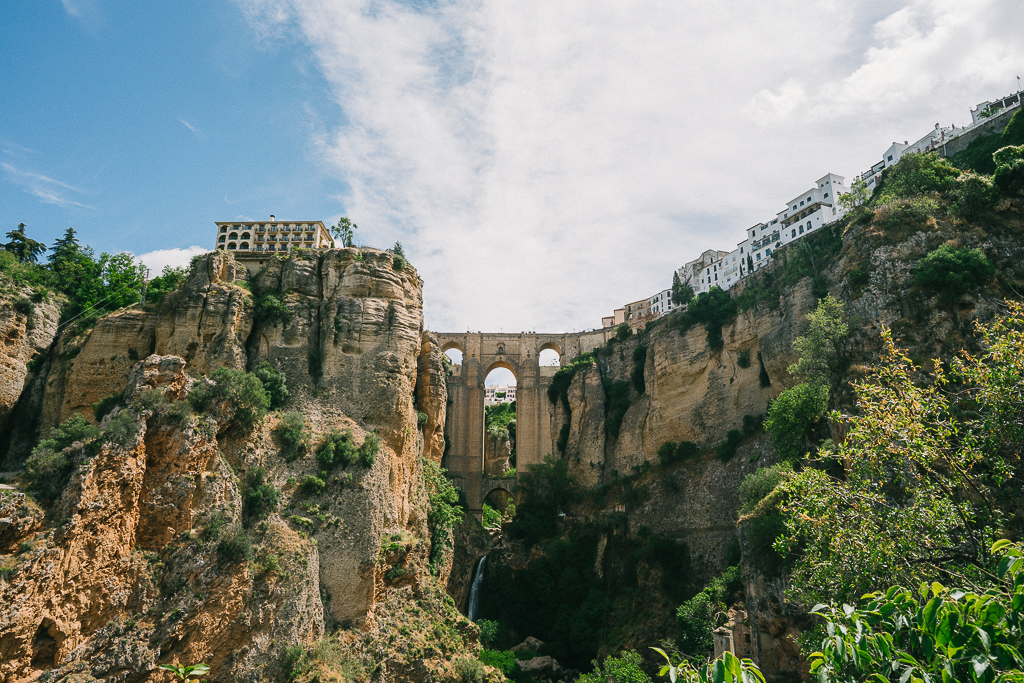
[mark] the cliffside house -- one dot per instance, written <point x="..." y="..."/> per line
<point x="260" y="238"/>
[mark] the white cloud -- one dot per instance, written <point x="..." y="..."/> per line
<point x="543" y="163"/>
<point x="48" y="190"/>
<point x="191" y="128"/>
<point x="156" y="260"/>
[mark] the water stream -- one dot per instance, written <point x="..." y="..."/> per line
<point x="474" y="589"/>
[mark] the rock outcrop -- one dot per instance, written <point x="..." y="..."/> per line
<point x="131" y="573"/>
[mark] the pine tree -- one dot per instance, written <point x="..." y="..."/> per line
<point x="23" y="246"/>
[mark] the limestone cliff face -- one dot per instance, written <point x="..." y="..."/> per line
<point x="27" y="328"/>
<point x="125" y="580"/>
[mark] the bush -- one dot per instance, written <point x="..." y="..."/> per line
<point x="488" y="634"/>
<point x="271" y="310"/>
<point x="667" y="453"/>
<point x="713" y="310"/>
<point x="562" y="379"/>
<point x="261" y="497"/>
<point x="915" y="175"/>
<point x="546" y="488"/>
<point x="100" y="409"/>
<point x="469" y="670"/>
<point x="444" y="512"/>
<point x="503" y="661"/>
<point x="121" y="428"/>
<point x="1009" y="174"/>
<point x="337" y="448"/>
<point x="421" y="419"/>
<point x="624" y="669"/>
<point x="214" y="526"/>
<point x="48" y="469"/>
<point x="293" y="435"/>
<point x="637" y="375"/>
<point x="491" y="517"/>
<point x="951" y="272"/>
<point x="312" y="485"/>
<point x="727" y="449"/>
<point x="234" y="546"/>
<point x="398" y="263"/>
<point x="743" y="359"/>
<point x="899" y="219"/>
<point x="623" y="332"/>
<point x="273" y="383"/>
<point x="243" y="391"/>
<point x="970" y="195"/>
<point x="699" y="616"/>
<point x="759" y="483"/>
<point x="792" y="417"/>
<point x="752" y="423"/>
<point x="368" y="451"/>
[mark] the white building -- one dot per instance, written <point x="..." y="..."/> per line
<point x="258" y="238"/>
<point x="703" y="273"/>
<point x="661" y="303"/>
<point x="499" y="394"/>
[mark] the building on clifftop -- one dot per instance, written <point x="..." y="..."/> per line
<point x="261" y="238"/>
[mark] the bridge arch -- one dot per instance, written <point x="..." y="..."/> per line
<point x="464" y="429"/>
<point x="501" y="495"/>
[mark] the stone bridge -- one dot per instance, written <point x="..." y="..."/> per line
<point x="519" y="353"/>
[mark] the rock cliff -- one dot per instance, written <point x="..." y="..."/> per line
<point x="129" y="568"/>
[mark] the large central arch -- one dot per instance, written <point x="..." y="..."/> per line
<point x="481" y="353"/>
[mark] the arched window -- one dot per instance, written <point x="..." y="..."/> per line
<point x="233" y="236"/>
<point x="245" y="235"/>
<point x="501" y="350"/>
<point x="231" y="245"/>
<point x="223" y="228"/>
<point x="549" y="357"/>
<point x="221" y="240"/>
<point x="243" y="245"/>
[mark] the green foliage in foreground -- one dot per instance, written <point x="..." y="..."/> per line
<point x="726" y="669"/>
<point x="624" y="669"/>
<point x="261" y="496"/>
<point x="293" y="435"/>
<point x="758" y="484"/>
<point x="922" y="495"/>
<point x="187" y="672"/>
<point x="1009" y="174"/>
<point x="491" y="517"/>
<point x="502" y="660"/>
<point x="932" y="634"/>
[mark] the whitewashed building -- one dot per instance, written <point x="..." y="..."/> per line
<point x="499" y="394"/>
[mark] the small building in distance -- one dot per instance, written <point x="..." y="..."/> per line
<point x="499" y="394"/>
<point x="262" y="238"/>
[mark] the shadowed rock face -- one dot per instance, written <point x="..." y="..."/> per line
<point x="348" y="337"/>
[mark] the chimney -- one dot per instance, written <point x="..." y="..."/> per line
<point x="272" y="217"/>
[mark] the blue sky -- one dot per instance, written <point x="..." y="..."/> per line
<point x="140" y="124"/>
<point x="542" y="163"/>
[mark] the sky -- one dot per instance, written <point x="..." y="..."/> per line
<point x="542" y="163"/>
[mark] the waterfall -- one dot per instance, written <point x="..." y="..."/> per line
<point x="474" y="589"/>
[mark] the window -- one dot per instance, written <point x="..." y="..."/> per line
<point x="808" y="225"/>
<point x="759" y="257"/>
<point x="767" y="252"/>
<point x="794" y="233"/>
<point x="223" y="228"/>
<point x="890" y="157"/>
<point x="801" y="229"/>
<point x="826" y="195"/>
<point x="833" y="212"/>
<point x="231" y="245"/>
<point x="801" y="202"/>
<point x="243" y="245"/>
<point x="808" y="200"/>
<point x="221" y="240"/>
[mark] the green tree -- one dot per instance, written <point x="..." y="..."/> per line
<point x="397" y="250"/>
<point x="822" y="351"/>
<point x="856" y="197"/>
<point x="274" y="383"/>
<point x="23" y="246"/>
<point x="793" y="417"/>
<point x="168" y="281"/>
<point x="1009" y="174"/>
<point x="915" y="175"/>
<point x="345" y="231"/>
<point x="681" y="293"/>
<point x="917" y="496"/>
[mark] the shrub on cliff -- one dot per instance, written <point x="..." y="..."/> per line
<point x="336" y="448"/>
<point x="234" y="546"/>
<point x="713" y="309"/>
<point x="273" y="381"/>
<point x="699" y="616"/>
<point x="49" y="468"/>
<point x="970" y="195"/>
<point x="444" y="512"/>
<point x="952" y="272"/>
<point x="261" y="497"/>
<point x="1009" y="175"/>
<point x="293" y="435"/>
<point x="243" y="391"/>
<point x="914" y="175"/>
<point x="759" y="483"/>
<point x="624" y="669"/>
<point x="367" y="453"/>
<point x="793" y="416"/>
